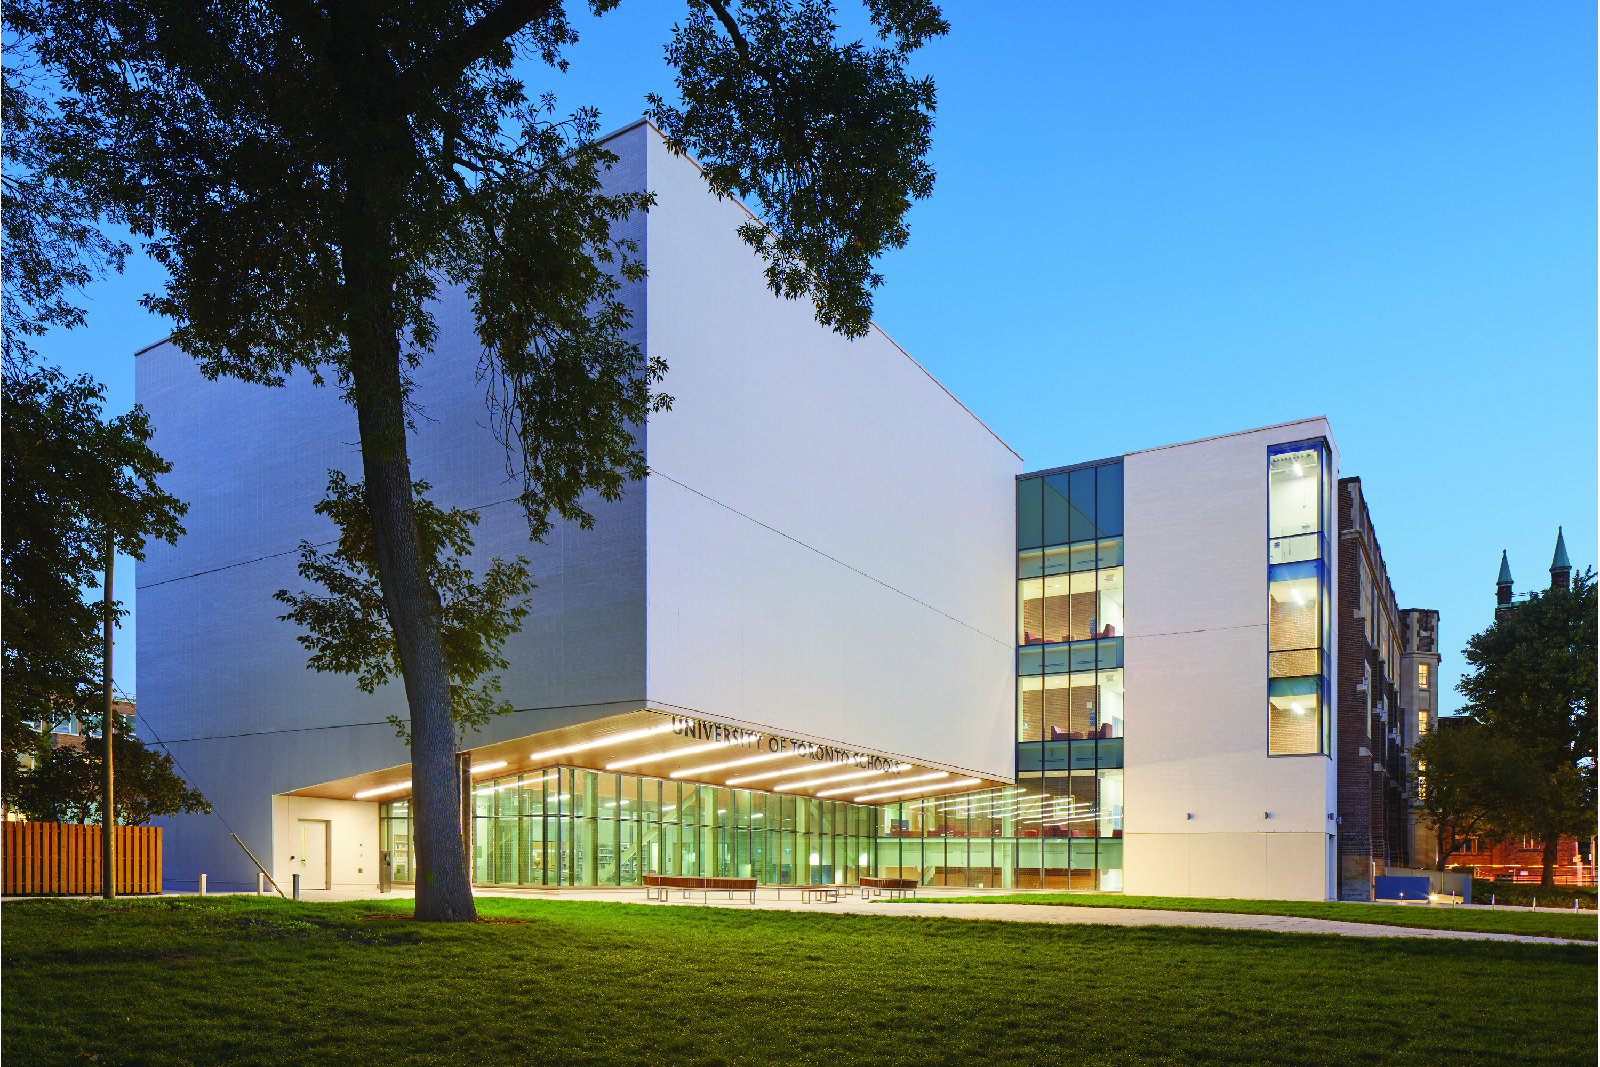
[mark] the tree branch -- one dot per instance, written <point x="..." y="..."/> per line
<point x="509" y="18"/>
<point x="732" y="27"/>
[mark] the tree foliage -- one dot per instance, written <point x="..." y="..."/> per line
<point x="783" y="118"/>
<point x="311" y="175"/>
<point x="348" y="629"/>
<point x="53" y="240"/>
<point x="64" y="785"/>
<point x="70" y="476"/>
<point x="1532" y="681"/>
<point x="1469" y="784"/>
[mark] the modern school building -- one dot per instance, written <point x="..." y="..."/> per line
<point x="839" y="630"/>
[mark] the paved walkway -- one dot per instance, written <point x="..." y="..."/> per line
<point x="928" y="905"/>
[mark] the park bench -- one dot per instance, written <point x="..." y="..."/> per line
<point x="895" y="888"/>
<point x="808" y="893"/>
<point x="659" y="886"/>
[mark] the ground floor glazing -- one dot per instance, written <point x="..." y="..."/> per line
<point x="570" y="826"/>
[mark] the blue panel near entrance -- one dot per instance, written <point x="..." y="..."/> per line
<point x="1396" y="887"/>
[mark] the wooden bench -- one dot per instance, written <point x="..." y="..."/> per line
<point x="659" y="886"/>
<point x="821" y="893"/>
<point x="894" y="888"/>
<point x="734" y="885"/>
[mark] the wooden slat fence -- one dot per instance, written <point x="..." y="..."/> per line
<point x="62" y="858"/>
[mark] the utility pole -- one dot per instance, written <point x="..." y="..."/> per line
<point x="108" y="820"/>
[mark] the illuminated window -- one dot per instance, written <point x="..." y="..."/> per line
<point x="1422" y="723"/>
<point x="1294" y="716"/>
<point x="1422" y="676"/>
<point x="1298" y="481"/>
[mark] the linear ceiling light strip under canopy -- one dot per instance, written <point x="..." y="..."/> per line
<point x="614" y="739"/>
<point x="766" y="774"/>
<point x="838" y="778"/>
<point x="673" y="753"/>
<point x="731" y="763"/>
<point x="921" y="789"/>
<point x="901" y="782"/>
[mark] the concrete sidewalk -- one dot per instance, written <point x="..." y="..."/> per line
<point x="929" y="906"/>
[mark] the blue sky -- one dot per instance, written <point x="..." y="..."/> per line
<point x="1161" y="221"/>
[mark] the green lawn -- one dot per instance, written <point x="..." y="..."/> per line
<point x="247" y="980"/>
<point x="1539" y="923"/>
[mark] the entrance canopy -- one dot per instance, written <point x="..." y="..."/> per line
<point x="678" y="747"/>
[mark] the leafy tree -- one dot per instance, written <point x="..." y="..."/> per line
<point x="349" y="631"/>
<point x="70" y="476"/>
<point x="310" y="174"/>
<point x="1533" y="682"/>
<point x="53" y="241"/>
<point x="64" y="784"/>
<point x="1469" y="784"/>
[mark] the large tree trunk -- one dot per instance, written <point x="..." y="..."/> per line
<point x="1547" y="880"/>
<point x="444" y="888"/>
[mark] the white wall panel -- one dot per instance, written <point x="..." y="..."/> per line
<point x="831" y="533"/>
<point x="222" y="674"/>
<point x="1196" y="658"/>
<point x="846" y="575"/>
<point x="353" y="842"/>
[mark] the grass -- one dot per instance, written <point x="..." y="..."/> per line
<point x="1529" y="924"/>
<point x="1524" y="894"/>
<point x="247" y="980"/>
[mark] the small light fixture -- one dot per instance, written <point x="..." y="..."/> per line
<point x="1188" y="815"/>
<point x="382" y="789"/>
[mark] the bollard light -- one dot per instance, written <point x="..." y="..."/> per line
<point x="202" y="885"/>
<point x="297" y="887"/>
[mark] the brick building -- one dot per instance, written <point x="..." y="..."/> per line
<point x="1521" y="859"/>
<point x="1419" y="695"/>
<point x="1374" y="814"/>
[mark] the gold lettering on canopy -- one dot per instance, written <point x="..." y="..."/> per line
<point x="698" y="730"/>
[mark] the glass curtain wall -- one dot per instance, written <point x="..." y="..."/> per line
<point x="1299" y="516"/>
<point x="1067" y="828"/>
<point x="570" y="826"/>
<point x="1066" y="836"/>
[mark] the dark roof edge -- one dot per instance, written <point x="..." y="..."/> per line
<point x="1070" y="467"/>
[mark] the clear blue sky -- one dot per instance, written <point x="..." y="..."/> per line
<point x="1161" y="221"/>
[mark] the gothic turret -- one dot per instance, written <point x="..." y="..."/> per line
<point x="1560" y="569"/>
<point x="1502" y="587"/>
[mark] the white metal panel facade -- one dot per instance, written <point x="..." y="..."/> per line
<point x="831" y="534"/>
<point x="1202" y="793"/>
<point x="830" y="545"/>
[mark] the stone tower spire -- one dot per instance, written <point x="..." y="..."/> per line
<point x="1560" y="569"/>
<point x="1502" y="587"/>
